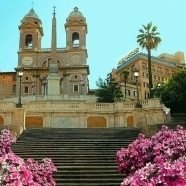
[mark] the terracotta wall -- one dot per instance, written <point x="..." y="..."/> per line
<point x="34" y="121"/>
<point x="1" y="120"/>
<point x="96" y="122"/>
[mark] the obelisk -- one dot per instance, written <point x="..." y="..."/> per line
<point x="53" y="77"/>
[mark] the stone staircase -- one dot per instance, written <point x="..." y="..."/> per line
<point x="176" y="119"/>
<point x="83" y="157"/>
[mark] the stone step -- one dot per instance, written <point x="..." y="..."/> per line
<point x="82" y="156"/>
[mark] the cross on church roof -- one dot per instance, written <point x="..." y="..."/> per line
<point x="54" y="11"/>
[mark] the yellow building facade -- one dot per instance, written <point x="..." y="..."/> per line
<point x="163" y="67"/>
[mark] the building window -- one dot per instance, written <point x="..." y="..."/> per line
<point x="144" y="66"/>
<point x="26" y="78"/>
<point x="160" y="78"/>
<point x="3" y="87"/>
<point x="159" y="70"/>
<point x="76" y="88"/>
<point x="145" y="75"/>
<point x="14" y="89"/>
<point x="145" y="84"/>
<point x="135" y="93"/>
<point x="146" y="95"/>
<point x="127" y="92"/>
<point x="154" y="76"/>
<point x="166" y="72"/>
<point x="3" y="77"/>
<point x="26" y="90"/>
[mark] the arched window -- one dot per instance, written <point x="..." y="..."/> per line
<point x="47" y="62"/>
<point x="75" y="39"/>
<point x="28" y="41"/>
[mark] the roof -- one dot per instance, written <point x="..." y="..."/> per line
<point x="76" y="13"/>
<point x="145" y="56"/>
<point x="31" y="14"/>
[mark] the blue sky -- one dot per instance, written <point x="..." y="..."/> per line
<point x="112" y="28"/>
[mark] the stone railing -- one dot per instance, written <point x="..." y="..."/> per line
<point x="48" y="98"/>
<point x="6" y="105"/>
<point x="88" y="106"/>
<point x="81" y="106"/>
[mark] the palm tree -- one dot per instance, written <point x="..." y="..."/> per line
<point x="149" y="39"/>
<point x="124" y="77"/>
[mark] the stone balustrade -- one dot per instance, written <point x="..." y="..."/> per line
<point x="80" y="114"/>
<point x="89" y="106"/>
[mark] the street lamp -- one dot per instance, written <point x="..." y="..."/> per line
<point x="136" y="75"/>
<point x="159" y="88"/>
<point x="19" y="75"/>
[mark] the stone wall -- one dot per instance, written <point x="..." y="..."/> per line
<point x="83" y="114"/>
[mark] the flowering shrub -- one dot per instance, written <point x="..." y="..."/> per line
<point x="42" y="172"/>
<point x="6" y="139"/>
<point x="156" y="161"/>
<point x="14" y="171"/>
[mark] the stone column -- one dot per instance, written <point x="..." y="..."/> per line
<point x="18" y="124"/>
<point x="140" y="121"/>
<point x="19" y="117"/>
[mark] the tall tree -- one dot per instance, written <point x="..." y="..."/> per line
<point x="149" y="39"/>
<point x="108" y="90"/>
<point x="174" y="92"/>
<point x="124" y="78"/>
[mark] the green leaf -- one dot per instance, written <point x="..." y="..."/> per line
<point x="141" y="30"/>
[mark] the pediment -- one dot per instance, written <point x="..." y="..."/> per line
<point x="75" y="23"/>
<point x="30" y="25"/>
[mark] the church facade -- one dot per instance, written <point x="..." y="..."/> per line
<point x="45" y="68"/>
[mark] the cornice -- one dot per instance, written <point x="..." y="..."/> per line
<point x="145" y="56"/>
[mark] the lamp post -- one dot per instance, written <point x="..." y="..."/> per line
<point x="19" y="75"/>
<point x="136" y="74"/>
<point x="159" y="88"/>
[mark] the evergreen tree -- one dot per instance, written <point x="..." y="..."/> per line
<point x="108" y="90"/>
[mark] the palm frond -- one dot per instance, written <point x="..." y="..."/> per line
<point x="148" y="38"/>
<point x="141" y="36"/>
<point x="149" y="25"/>
<point x="141" y="30"/>
<point x="154" y="28"/>
<point x="144" y="27"/>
